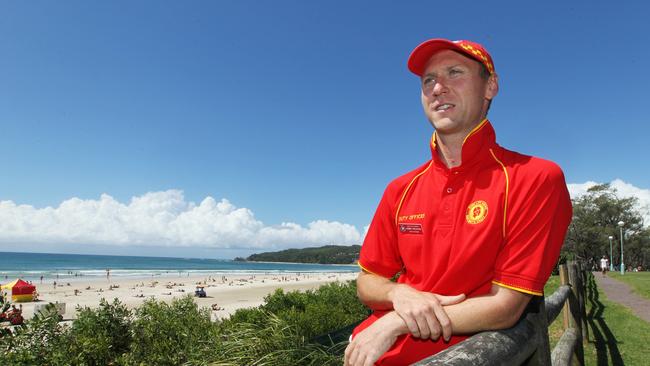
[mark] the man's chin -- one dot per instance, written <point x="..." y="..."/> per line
<point x="444" y="125"/>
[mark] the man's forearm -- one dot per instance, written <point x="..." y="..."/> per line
<point x="498" y="310"/>
<point x="494" y="311"/>
<point x="424" y="315"/>
<point x="422" y="311"/>
<point x="375" y="291"/>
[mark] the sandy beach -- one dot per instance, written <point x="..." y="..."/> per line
<point x="225" y="293"/>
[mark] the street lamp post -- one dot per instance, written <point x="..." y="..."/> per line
<point x="611" y="262"/>
<point x="620" y="225"/>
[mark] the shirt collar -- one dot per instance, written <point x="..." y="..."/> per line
<point x="475" y="145"/>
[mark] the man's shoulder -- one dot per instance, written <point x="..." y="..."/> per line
<point x="400" y="183"/>
<point x="528" y="166"/>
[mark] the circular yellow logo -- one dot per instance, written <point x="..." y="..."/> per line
<point x="476" y="212"/>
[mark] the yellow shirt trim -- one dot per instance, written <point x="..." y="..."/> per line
<point x="505" y="200"/>
<point x="475" y="130"/>
<point x="526" y="291"/>
<point x="369" y="271"/>
<point x="399" y="207"/>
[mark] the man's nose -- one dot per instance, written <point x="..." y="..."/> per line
<point x="439" y="88"/>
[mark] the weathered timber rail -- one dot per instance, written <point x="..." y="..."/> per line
<point x="527" y="342"/>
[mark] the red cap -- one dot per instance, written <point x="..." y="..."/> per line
<point x="422" y="53"/>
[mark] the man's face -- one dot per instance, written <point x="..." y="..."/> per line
<point x="459" y="98"/>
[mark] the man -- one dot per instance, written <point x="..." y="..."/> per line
<point x="604" y="264"/>
<point x="473" y="233"/>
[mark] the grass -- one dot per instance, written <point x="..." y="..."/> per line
<point x="639" y="281"/>
<point x="616" y="336"/>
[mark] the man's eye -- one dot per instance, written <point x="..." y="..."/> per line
<point x="428" y="81"/>
<point x="455" y="72"/>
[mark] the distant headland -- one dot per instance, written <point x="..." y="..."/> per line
<point x="328" y="254"/>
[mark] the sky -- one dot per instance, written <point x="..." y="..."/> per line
<point x="224" y="128"/>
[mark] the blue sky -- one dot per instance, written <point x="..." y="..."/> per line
<point x="293" y="111"/>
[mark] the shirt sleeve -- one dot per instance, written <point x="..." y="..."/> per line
<point x="538" y="216"/>
<point x="379" y="252"/>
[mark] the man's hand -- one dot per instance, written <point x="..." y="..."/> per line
<point x="423" y="312"/>
<point x="374" y="341"/>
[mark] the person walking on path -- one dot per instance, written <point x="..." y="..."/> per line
<point x="621" y="293"/>
<point x="604" y="264"/>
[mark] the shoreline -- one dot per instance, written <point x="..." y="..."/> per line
<point x="226" y="292"/>
<point x="64" y="278"/>
<point x="75" y="276"/>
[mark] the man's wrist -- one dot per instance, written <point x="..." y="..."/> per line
<point x="394" y="324"/>
<point x="395" y="287"/>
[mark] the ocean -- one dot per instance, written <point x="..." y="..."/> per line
<point x="71" y="267"/>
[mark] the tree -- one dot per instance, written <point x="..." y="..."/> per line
<point x="595" y="218"/>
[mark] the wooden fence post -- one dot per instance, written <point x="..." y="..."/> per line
<point x="564" y="280"/>
<point x="537" y="315"/>
<point x="575" y="318"/>
<point x="583" y="300"/>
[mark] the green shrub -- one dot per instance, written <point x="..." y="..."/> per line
<point x="284" y="329"/>
<point x="36" y="342"/>
<point x="316" y="312"/>
<point x="274" y="343"/>
<point x="280" y="332"/>
<point x="99" y="336"/>
<point x="170" y="334"/>
<point x="246" y="315"/>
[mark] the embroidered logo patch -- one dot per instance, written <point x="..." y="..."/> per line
<point x="476" y="212"/>
<point x="410" y="228"/>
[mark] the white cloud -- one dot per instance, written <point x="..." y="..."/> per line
<point x="166" y="219"/>
<point x="365" y="230"/>
<point x="161" y="219"/>
<point x="580" y="189"/>
<point x="623" y="190"/>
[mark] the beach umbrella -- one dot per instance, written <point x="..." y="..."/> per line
<point x="20" y="290"/>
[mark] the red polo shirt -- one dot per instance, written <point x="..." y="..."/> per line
<point x="498" y="218"/>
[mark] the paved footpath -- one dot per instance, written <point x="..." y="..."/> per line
<point x="621" y="293"/>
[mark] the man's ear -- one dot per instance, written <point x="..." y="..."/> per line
<point x="492" y="87"/>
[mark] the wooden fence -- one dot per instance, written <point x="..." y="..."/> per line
<point x="527" y="342"/>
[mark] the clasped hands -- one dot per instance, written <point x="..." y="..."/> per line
<point x="416" y="312"/>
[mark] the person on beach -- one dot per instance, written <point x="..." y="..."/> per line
<point x="472" y="234"/>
